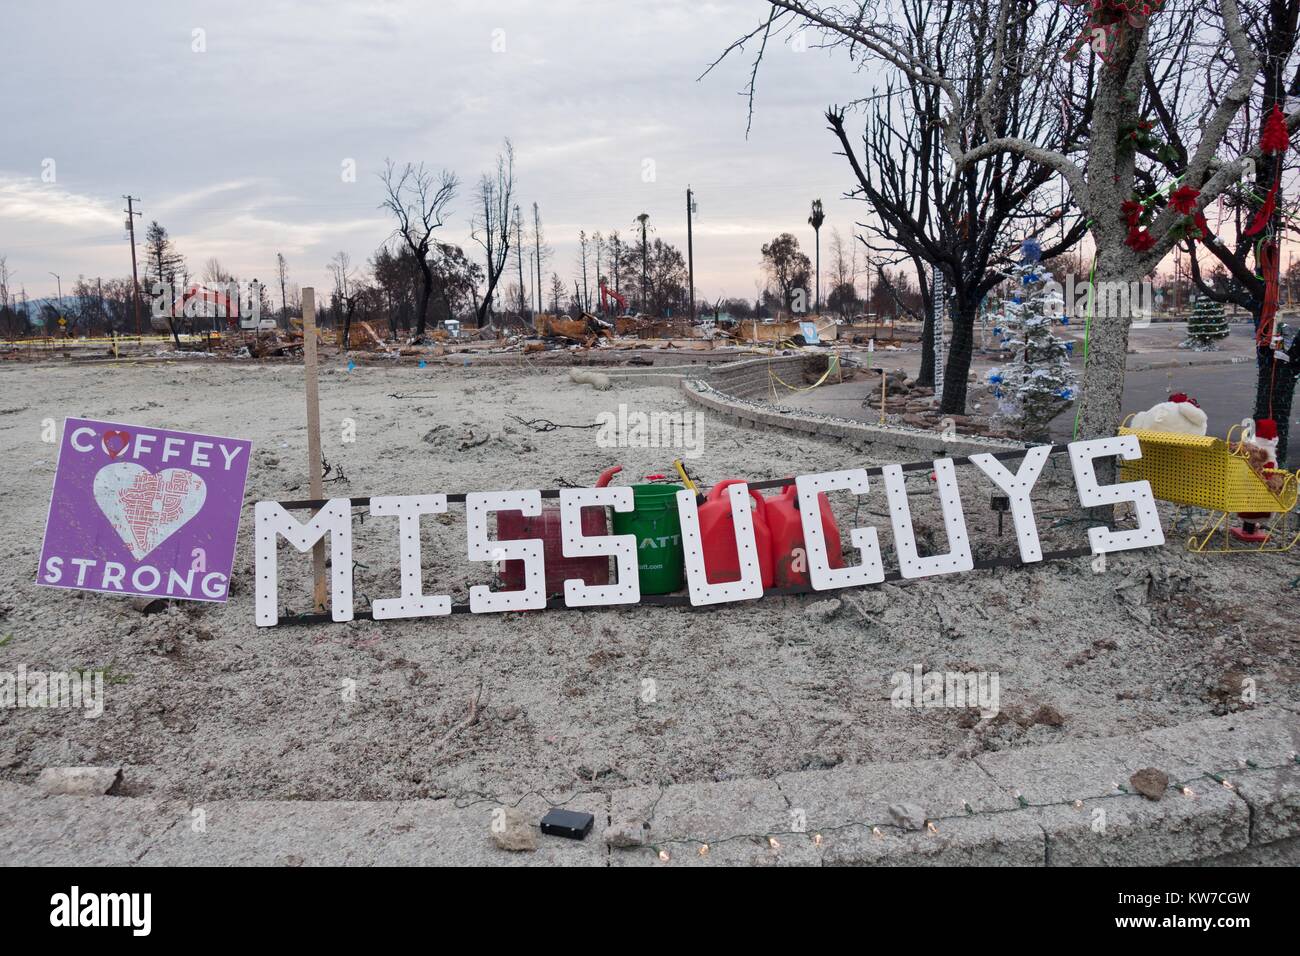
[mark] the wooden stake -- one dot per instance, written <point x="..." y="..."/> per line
<point x="316" y="479"/>
<point x="883" y="382"/>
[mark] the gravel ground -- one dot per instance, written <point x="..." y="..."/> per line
<point x="202" y="704"/>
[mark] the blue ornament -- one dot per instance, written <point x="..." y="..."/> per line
<point x="1069" y="346"/>
<point x="995" y="379"/>
<point x="997" y="393"/>
<point x="1017" y="300"/>
<point x="423" y="363"/>
<point x="1031" y="250"/>
<point x="351" y="365"/>
<point x="1065" y="320"/>
<point x="997" y="330"/>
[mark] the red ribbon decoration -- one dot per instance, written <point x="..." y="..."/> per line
<point x="1270" y="263"/>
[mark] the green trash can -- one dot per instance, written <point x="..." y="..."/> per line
<point x="654" y="521"/>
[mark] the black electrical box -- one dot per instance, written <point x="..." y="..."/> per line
<point x="567" y="823"/>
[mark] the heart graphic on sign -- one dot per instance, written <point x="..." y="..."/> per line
<point x="115" y="442"/>
<point x="146" y="509"/>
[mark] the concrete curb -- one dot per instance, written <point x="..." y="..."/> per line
<point x="731" y="391"/>
<point x="1011" y="808"/>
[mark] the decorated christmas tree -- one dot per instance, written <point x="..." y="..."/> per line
<point x="1036" y="382"/>
<point x="1206" y="326"/>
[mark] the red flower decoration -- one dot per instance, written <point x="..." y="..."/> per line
<point x="1131" y="209"/>
<point x="1275" y="137"/>
<point x="1184" y="199"/>
<point x="1140" y="240"/>
<point x="1203" y="225"/>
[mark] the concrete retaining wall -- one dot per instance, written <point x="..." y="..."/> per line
<point x="743" y="392"/>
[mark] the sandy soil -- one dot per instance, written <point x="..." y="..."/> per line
<point x="204" y="705"/>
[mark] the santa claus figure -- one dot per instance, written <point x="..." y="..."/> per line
<point x="1259" y="444"/>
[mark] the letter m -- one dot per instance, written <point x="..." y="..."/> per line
<point x="272" y="521"/>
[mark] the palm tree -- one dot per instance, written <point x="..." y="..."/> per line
<point x="816" y="220"/>
<point x="642" y="219"/>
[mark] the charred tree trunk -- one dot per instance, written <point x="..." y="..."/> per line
<point x="426" y="293"/>
<point x="925" y="377"/>
<point x="1275" y="392"/>
<point x="956" y="370"/>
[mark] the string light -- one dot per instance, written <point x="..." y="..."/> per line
<point x="1227" y="785"/>
<point x="704" y="849"/>
<point x="1188" y="792"/>
<point x="663" y="856"/>
<point x="817" y="839"/>
<point x="1078" y="804"/>
<point x="929" y="825"/>
<point x="875" y="832"/>
<point x="774" y="843"/>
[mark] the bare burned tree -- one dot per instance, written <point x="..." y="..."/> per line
<point x="1107" y="172"/>
<point x="521" y="304"/>
<point x="964" y="225"/>
<point x="491" y="226"/>
<point x="340" y="269"/>
<point x="418" y="200"/>
<point x="1252" y="260"/>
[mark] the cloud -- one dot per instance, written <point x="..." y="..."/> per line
<point x="28" y="201"/>
<point x="237" y="150"/>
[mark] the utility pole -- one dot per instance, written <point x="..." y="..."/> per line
<point x="59" y="311"/>
<point x="690" y="250"/>
<point x="537" y="246"/>
<point x="135" y="277"/>
<point x="99" y="289"/>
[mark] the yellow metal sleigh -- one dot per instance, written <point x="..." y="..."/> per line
<point x="1214" y="474"/>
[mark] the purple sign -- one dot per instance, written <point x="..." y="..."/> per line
<point x="144" y="511"/>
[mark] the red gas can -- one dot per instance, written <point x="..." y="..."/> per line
<point x="789" y="556"/>
<point x="718" y="533"/>
<point x="513" y="526"/>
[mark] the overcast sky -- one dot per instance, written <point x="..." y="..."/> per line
<point x="239" y="150"/>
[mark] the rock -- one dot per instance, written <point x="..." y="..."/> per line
<point x="627" y="833"/>
<point x="1048" y="716"/>
<point x="513" y="831"/>
<point x="909" y="816"/>
<point x="148" y="605"/>
<point x="597" y="380"/>
<point x="824" y="610"/>
<point x="1150" y="782"/>
<point x="79" y="781"/>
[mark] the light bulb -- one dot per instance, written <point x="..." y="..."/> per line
<point x="663" y="856"/>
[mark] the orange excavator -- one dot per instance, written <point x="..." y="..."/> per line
<point x="606" y="293"/>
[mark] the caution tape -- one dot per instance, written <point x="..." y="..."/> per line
<point x="832" y="366"/>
